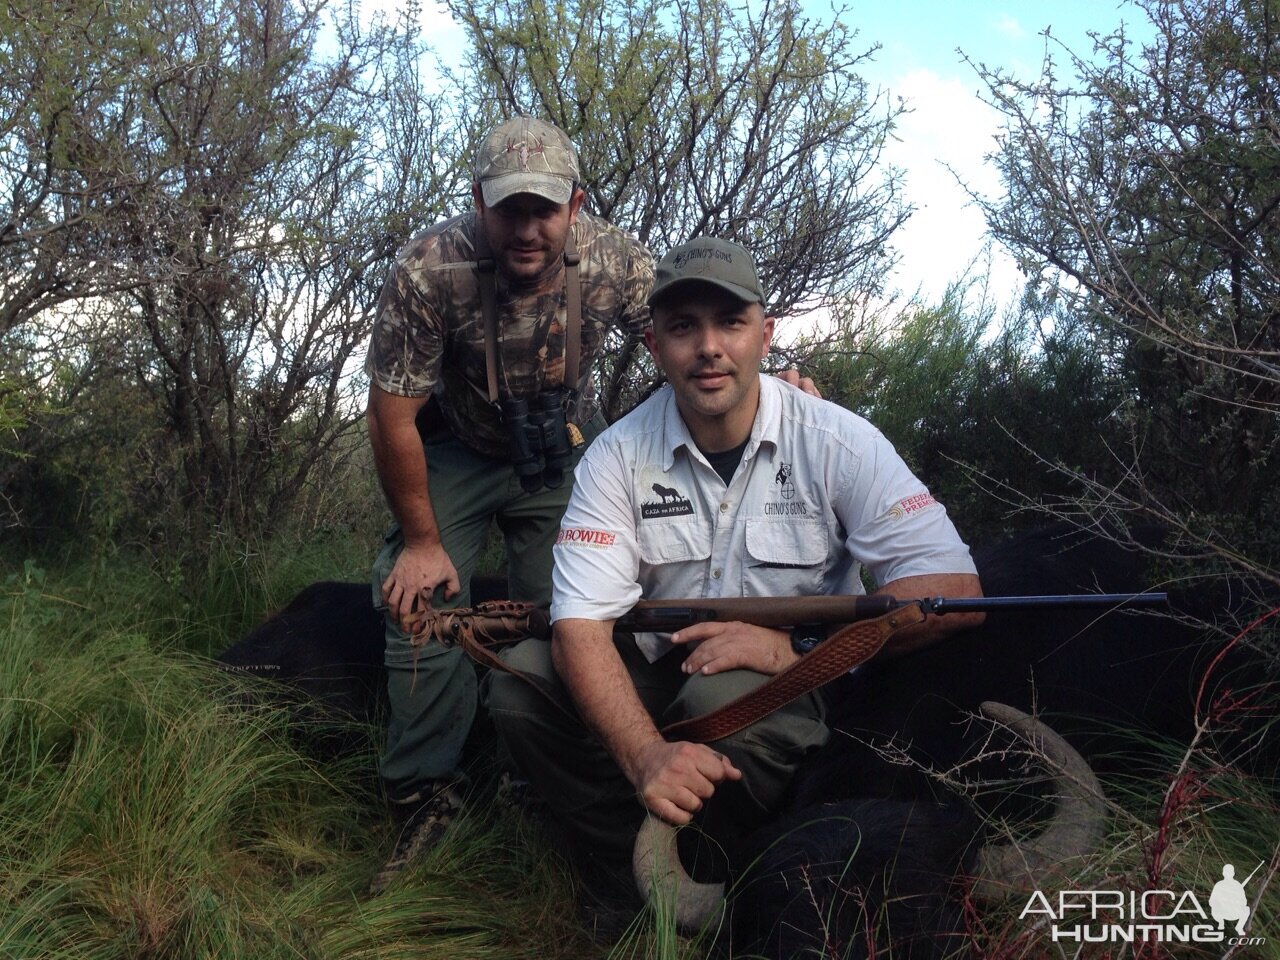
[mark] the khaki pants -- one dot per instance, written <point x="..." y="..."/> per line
<point x="580" y="780"/>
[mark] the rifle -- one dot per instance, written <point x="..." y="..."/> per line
<point x="479" y="629"/>
<point x="503" y="621"/>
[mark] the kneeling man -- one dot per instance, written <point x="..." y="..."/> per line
<point x="724" y="483"/>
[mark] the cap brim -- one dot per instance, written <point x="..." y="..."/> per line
<point x="555" y="189"/>
<point x="665" y="290"/>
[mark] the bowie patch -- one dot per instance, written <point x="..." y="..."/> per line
<point x="585" y="537"/>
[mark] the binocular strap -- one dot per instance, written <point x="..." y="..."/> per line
<point x="486" y="269"/>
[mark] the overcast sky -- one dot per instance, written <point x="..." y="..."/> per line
<point x="948" y="125"/>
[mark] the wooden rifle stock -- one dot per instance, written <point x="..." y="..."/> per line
<point x="667" y="616"/>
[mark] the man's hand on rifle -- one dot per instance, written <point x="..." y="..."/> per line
<point x="418" y="571"/>
<point x="675" y="779"/>
<point x="720" y="646"/>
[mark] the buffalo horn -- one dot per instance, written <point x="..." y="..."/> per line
<point x="662" y="879"/>
<point x="1003" y="870"/>
<point x="1075" y="830"/>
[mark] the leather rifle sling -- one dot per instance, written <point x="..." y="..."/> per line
<point x="460" y="627"/>
<point x="839" y="653"/>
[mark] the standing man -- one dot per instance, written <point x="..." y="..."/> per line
<point x="478" y="312"/>
<point x="725" y="483"/>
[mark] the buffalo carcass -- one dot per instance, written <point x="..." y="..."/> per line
<point x="865" y="854"/>
<point x="324" y="650"/>
<point x="862" y="836"/>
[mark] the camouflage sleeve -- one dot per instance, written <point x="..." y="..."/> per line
<point x="636" y="287"/>
<point x="407" y="344"/>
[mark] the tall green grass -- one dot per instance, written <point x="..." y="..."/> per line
<point x="148" y="809"/>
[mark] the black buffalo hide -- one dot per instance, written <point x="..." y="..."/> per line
<point x="867" y="849"/>
<point x="847" y="879"/>
<point x="865" y="859"/>
<point x="324" y="652"/>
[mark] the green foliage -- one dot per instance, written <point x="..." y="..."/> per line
<point x="199" y="205"/>
<point x="959" y="401"/>
<point x="1143" y="196"/>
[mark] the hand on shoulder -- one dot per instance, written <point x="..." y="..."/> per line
<point x="792" y="376"/>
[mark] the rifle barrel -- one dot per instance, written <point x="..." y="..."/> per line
<point x="987" y="604"/>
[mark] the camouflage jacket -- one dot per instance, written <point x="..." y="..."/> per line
<point x="429" y="331"/>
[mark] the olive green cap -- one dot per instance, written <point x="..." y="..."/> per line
<point x="721" y="263"/>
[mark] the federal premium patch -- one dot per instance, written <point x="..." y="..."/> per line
<point x="911" y="504"/>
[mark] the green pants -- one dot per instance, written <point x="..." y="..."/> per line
<point x="432" y="689"/>
<point x="584" y="786"/>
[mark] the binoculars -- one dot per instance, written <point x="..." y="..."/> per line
<point x="539" y="435"/>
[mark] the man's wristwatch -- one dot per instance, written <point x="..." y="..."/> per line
<point x="807" y="636"/>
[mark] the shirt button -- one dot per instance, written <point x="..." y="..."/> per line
<point x="715" y="574"/>
<point x="724" y="508"/>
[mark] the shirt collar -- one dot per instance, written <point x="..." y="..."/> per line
<point x="765" y="429"/>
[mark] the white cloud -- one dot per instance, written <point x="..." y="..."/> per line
<point x="1008" y="26"/>
<point x="947" y="135"/>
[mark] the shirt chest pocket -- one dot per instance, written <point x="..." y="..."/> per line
<point x="784" y="558"/>
<point x="674" y="552"/>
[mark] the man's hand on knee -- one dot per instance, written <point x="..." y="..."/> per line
<point x="418" y="571"/>
<point x="675" y="779"/>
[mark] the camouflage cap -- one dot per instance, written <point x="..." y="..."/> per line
<point x="721" y="263"/>
<point x="524" y="155"/>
